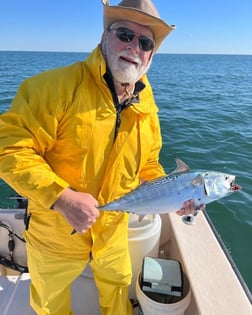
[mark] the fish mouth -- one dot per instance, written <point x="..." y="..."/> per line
<point x="234" y="186"/>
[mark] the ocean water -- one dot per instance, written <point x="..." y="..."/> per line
<point x="205" y="104"/>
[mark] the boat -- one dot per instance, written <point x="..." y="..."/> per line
<point x="214" y="282"/>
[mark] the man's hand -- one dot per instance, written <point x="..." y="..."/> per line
<point x="189" y="208"/>
<point x="78" y="208"/>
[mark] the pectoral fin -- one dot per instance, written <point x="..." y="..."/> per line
<point x="198" y="180"/>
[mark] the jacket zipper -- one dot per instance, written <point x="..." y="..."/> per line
<point x="118" y="119"/>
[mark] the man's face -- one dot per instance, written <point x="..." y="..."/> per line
<point x="126" y="59"/>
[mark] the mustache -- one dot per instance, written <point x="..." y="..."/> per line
<point x="132" y="57"/>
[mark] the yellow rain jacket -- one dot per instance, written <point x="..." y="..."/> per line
<point x="59" y="132"/>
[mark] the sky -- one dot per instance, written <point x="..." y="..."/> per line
<point x="211" y="27"/>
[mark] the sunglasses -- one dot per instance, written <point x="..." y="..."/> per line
<point x="126" y="35"/>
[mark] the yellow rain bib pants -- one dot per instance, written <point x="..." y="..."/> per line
<point x="52" y="278"/>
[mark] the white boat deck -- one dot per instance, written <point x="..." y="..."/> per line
<point x="215" y="286"/>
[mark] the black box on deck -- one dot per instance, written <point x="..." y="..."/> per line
<point x="161" y="279"/>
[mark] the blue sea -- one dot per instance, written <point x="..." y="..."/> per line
<point x="205" y="104"/>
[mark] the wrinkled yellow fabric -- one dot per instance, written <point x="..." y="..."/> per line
<point x="50" y="287"/>
<point x="58" y="133"/>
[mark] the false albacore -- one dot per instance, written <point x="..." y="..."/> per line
<point x="168" y="193"/>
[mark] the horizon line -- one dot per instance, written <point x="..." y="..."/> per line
<point x="158" y="53"/>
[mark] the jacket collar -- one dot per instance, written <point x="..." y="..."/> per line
<point x="97" y="66"/>
<point x="139" y="86"/>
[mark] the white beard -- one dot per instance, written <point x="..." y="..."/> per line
<point x="123" y="72"/>
<point x="126" y="72"/>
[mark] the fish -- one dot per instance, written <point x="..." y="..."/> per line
<point x="168" y="193"/>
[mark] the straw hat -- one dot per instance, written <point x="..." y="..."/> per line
<point x="138" y="11"/>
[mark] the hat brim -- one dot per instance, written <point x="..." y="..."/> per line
<point x="159" y="28"/>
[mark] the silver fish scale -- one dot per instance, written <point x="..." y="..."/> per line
<point x="155" y="193"/>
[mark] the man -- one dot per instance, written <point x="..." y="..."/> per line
<point x="80" y="136"/>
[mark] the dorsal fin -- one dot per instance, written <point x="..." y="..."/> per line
<point x="105" y="2"/>
<point x="181" y="167"/>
